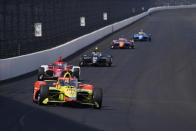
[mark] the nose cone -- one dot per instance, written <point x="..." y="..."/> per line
<point x="121" y="44"/>
<point x="58" y="71"/>
<point x="71" y="93"/>
<point x="140" y="37"/>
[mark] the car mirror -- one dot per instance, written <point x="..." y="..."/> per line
<point x="56" y="84"/>
<point x="81" y="85"/>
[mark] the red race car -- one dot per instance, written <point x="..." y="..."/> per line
<point x="57" y="69"/>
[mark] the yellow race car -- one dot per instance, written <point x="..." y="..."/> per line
<point x="67" y="89"/>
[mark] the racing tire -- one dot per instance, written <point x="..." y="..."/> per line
<point x="50" y="73"/>
<point x="43" y="94"/>
<point x="41" y="74"/>
<point x="149" y="39"/>
<point x="109" y="62"/>
<point x="81" y="63"/>
<point x="97" y="97"/>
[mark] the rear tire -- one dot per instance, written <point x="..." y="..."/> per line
<point x="43" y="94"/>
<point x="41" y="74"/>
<point x="97" y="97"/>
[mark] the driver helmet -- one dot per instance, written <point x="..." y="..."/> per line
<point x="60" y="59"/>
<point x="122" y="36"/>
<point x="67" y="70"/>
<point x="96" y="48"/>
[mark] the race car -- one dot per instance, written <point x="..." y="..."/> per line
<point x="122" y="43"/>
<point x="142" y="36"/>
<point x="57" y="69"/>
<point x="96" y="58"/>
<point x="67" y="89"/>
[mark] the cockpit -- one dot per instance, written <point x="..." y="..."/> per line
<point x="68" y="82"/>
<point x="141" y="33"/>
<point x="59" y="65"/>
<point x="95" y="53"/>
<point x="122" y="40"/>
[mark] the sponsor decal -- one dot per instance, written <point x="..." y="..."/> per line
<point x="82" y="21"/>
<point x="38" y="29"/>
<point x="105" y="16"/>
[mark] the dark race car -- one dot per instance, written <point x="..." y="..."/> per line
<point x="96" y="58"/>
<point x="122" y="43"/>
<point x="57" y="69"/>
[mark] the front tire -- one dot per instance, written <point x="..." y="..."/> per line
<point x="97" y="97"/>
<point x="41" y="74"/>
<point x="109" y="64"/>
<point x="43" y="94"/>
<point x="109" y="61"/>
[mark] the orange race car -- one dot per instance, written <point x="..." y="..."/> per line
<point x="122" y="43"/>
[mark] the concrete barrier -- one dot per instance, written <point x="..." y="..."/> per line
<point x="16" y="66"/>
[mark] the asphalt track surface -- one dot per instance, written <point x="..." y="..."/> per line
<point x="150" y="88"/>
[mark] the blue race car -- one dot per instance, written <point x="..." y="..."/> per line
<point x="142" y="36"/>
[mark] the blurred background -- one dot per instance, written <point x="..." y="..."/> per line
<point x="62" y="20"/>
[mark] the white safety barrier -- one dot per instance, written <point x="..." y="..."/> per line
<point x="16" y="66"/>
